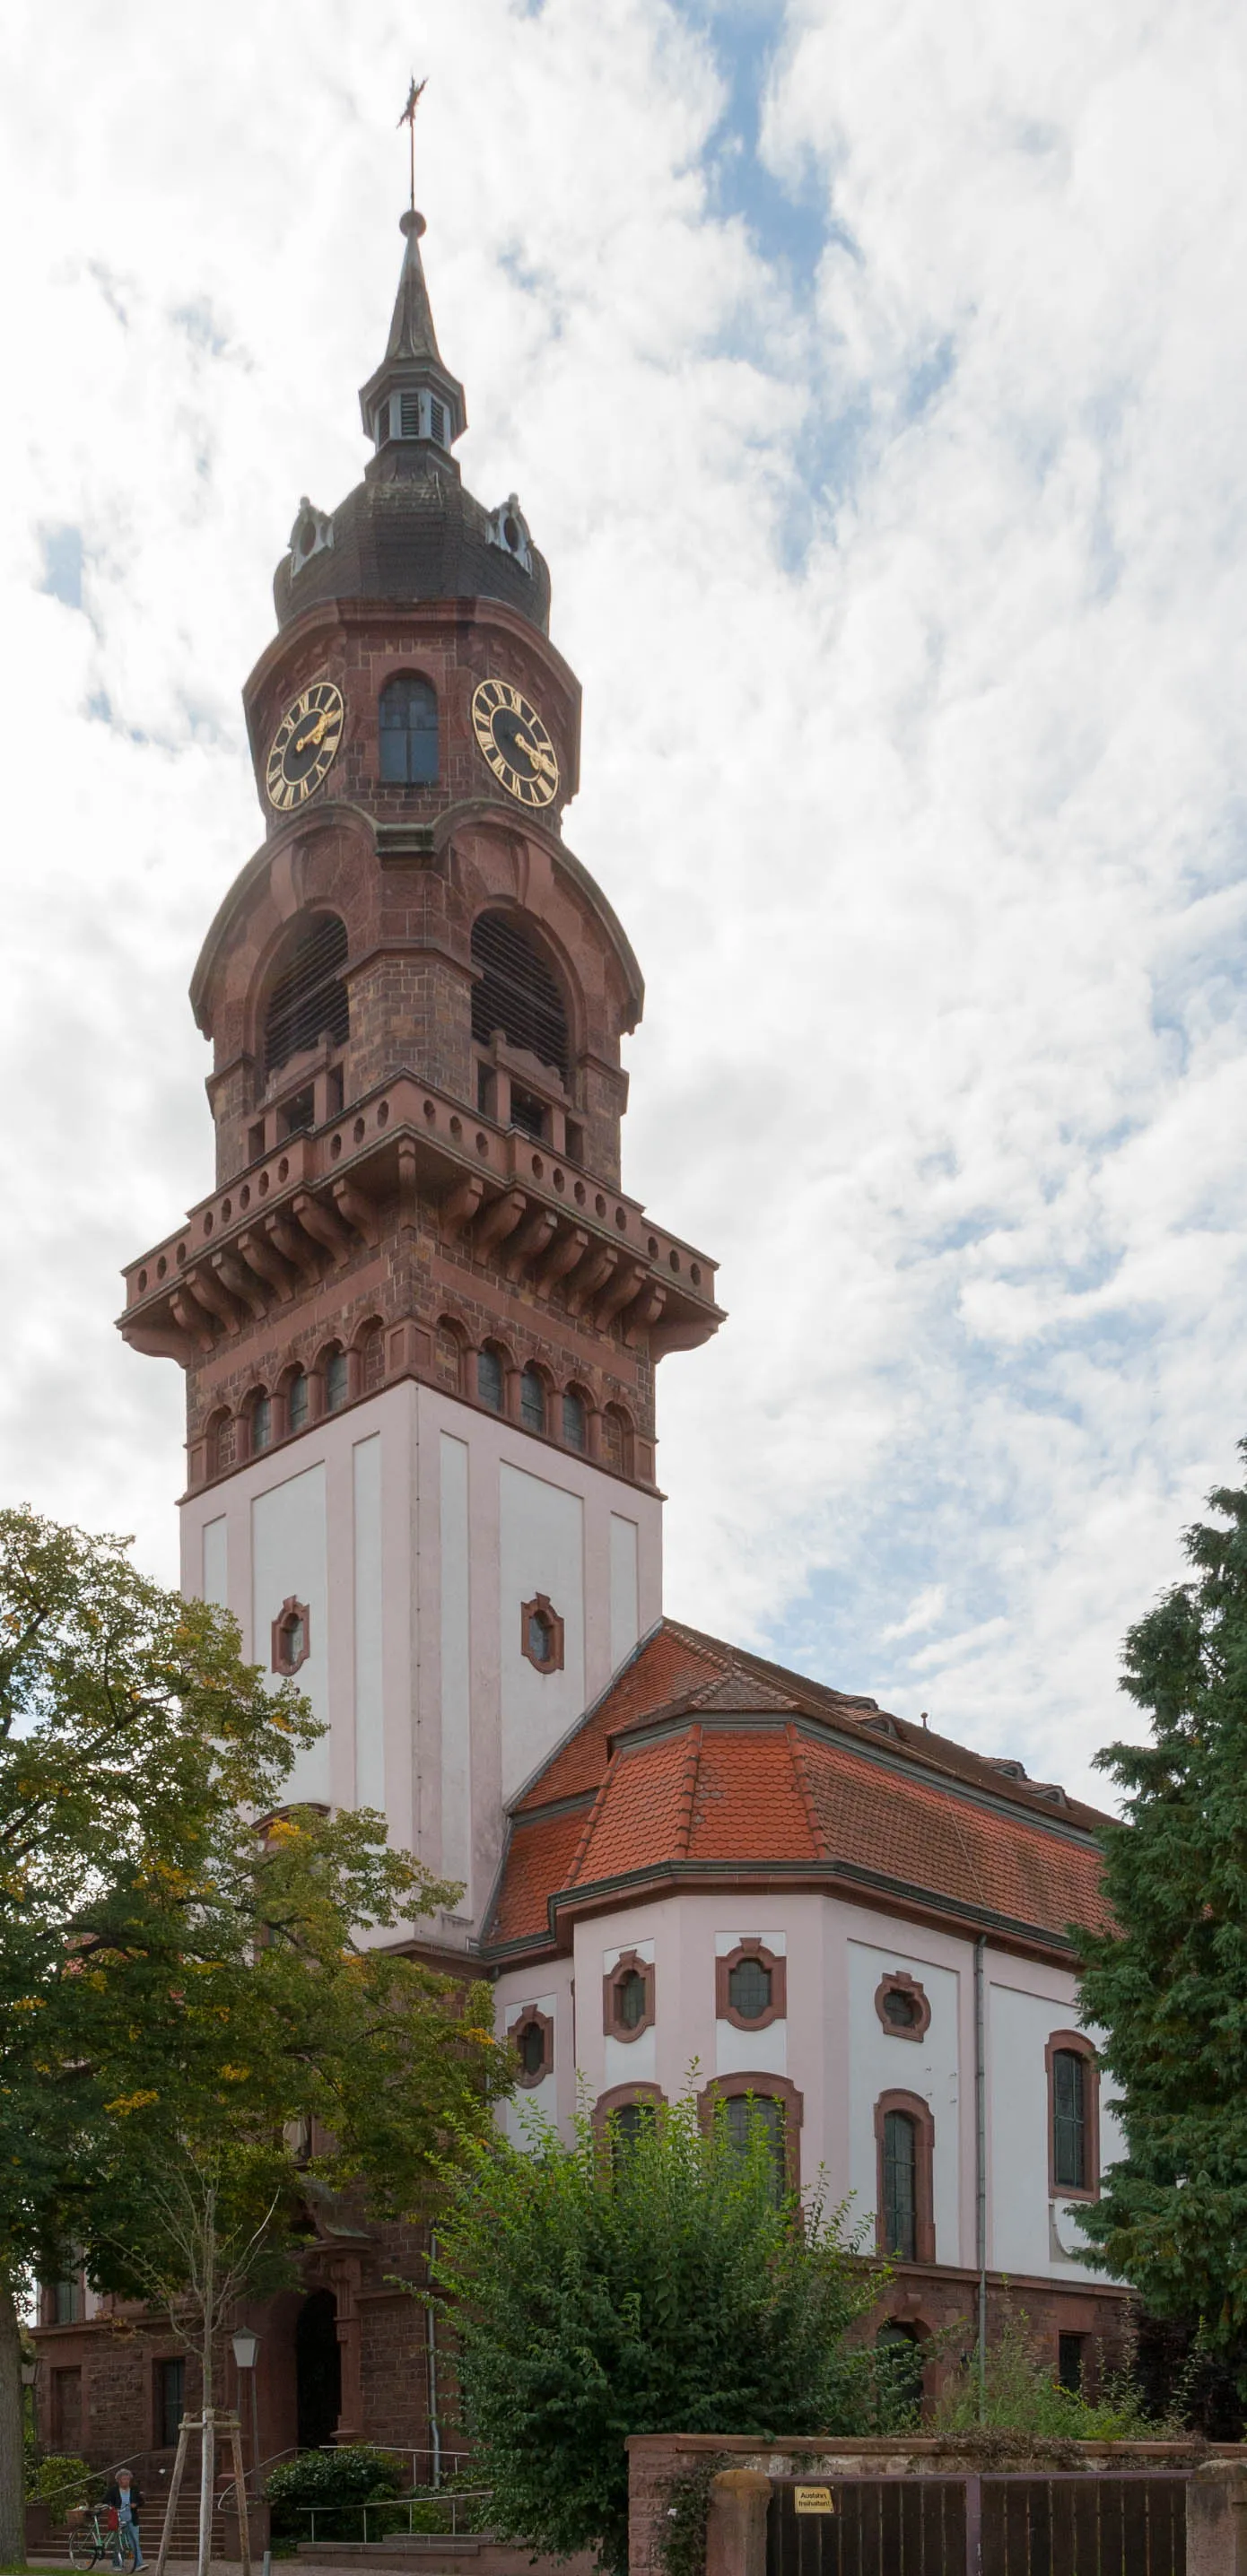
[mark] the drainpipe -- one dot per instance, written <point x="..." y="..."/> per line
<point x="435" y="2430"/>
<point x="980" y="2163"/>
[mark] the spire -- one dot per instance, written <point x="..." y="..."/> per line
<point x="412" y="394"/>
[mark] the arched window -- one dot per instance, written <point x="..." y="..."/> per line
<point x="516" y="993"/>
<point x="616" y="1440"/>
<point x="628" y="1996"/>
<point x="337" y="1381"/>
<point x="261" y="1425"/>
<point x="372" y="1367"/>
<point x="741" y="2110"/>
<point x="900" y="2186"/>
<point x="407" y="727"/>
<point x="533" y="1400"/>
<point x="308" y="1001"/>
<point x="489" y="1378"/>
<point x="222" y="1450"/>
<point x="297" y="1401"/>
<point x="448" y="1353"/>
<point x="1073" y="2116"/>
<point x="905" y="2141"/>
<point x="575" y="1432"/>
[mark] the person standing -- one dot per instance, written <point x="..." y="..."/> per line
<point x="126" y="2498"/>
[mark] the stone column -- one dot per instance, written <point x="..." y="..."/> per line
<point x="1216" y="2521"/>
<point x="736" y="2524"/>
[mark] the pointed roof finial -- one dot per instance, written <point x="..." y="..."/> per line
<point x="412" y="366"/>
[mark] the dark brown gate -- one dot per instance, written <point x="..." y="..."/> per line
<point x="877" y="2527"/>
<point x="1065" y="2524"/>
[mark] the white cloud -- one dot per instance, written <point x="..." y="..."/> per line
<point x="907" y="599"/>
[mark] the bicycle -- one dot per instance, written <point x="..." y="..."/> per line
<point x="95" y="2533"/>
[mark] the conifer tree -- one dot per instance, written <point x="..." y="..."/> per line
<point x="1168" y="1981"/>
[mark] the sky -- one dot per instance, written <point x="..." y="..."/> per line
<point x="872" y="375"/>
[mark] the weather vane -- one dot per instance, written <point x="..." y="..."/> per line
<point x="408" y="118"/>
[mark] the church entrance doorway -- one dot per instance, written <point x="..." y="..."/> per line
<point x="318" y="2370"/>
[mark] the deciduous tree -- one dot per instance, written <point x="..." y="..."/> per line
<point x="179" y="1978"/>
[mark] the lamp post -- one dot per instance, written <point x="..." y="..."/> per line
<point x="30" y="2374"/>
<point x="246" y="2345"/>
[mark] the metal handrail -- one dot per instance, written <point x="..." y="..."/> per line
<point x="93" y="2476"/>
<point x="440" y="2496"/>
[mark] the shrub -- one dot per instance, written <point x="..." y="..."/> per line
<point x="340" y="2481"/>
<point x="658" y="2282"/>
<point x="60" y="2478"/>
<point x="1021" y="2396"/>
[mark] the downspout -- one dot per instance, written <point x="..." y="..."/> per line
<point x="980" y="2165"/>
<point x="435" y="2430"/>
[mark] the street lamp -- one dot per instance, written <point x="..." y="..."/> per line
<point x="246" y="2345"/>
<point x="30" y="2373"/>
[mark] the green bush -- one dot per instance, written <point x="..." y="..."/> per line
<point x="1020" y="2395"/>
<point x="343" y="2479"/>
<point x="60" y="2478"/>
<point x="644" y="2283"/>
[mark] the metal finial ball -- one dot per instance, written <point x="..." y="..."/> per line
<point x="411" y="222"/>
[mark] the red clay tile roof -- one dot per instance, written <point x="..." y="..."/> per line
<point x="666" y="1775"/>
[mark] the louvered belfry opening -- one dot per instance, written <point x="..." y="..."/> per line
<point x="308" y="1000"/>
<point x="516" y="993"/>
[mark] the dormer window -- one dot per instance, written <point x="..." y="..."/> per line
<point x="407" y="732"/>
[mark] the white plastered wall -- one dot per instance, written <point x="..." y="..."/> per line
<point x="414" y="1527"/>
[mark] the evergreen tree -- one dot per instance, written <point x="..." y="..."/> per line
<point x="178" y="1983"/>
<point x="1167" y="1981"/>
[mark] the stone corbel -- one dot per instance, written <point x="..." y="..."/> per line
<point x="619" y="1292"/>
<point x="531" y="1241"/>
<point x="585" y="1282"/>
<point x="267" y="1264"/>
<point x="563" y="1255"/>
<point x="213" y="1293"/>
<point x="293" y="1246"/>
<point x="239" y="1281"/>
<point x="323" y="1225"/>
<point x="358" y="1211"/>
<point x="646" y="1311"/>
<point x="460" y="1205"/>
<point x="187" y="1311"/>
<point x="499" y="1220"/>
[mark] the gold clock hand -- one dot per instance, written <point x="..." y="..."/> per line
<point x="540" y="759"/>
<point x="318" y="731"/>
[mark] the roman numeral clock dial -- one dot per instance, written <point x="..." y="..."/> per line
<point x="514" y="741"/>
<point x="305" y="746"/>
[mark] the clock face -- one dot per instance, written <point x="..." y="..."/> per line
<point x="515" y="743"/>
<point x="305" y="745"/>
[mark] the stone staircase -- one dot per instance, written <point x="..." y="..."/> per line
<point x="184" y="2545"/>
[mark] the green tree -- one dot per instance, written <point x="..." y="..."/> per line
<point x="177" y="1983"/>
<point x="642" y="2284"/>
<point x="1167" y="1981"/>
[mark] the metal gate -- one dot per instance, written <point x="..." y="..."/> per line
<point x="1097" y="2523"/>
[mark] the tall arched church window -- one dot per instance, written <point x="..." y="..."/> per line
<point x="516" y="993"/>
<point x="900" y="2186"/>
<point x="407" y="729"/>
<point x="308" y="1001"/>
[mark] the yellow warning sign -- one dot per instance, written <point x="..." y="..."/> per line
<point x="813" y="2500"/>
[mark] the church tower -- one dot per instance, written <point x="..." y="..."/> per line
<point x="419" y="1316"/>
